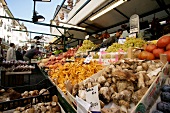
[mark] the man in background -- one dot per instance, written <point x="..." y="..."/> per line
<point x="31" y="54"/>
<point x="111" y="40"/>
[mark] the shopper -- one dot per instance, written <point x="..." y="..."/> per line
<point x="111" y="40"/>
<point x="23" y="51"/>
<point x="31" y="54"/>
<point x="1" y="51"/>
<point x="11" y="55"/>
<point x="19" y="55"/>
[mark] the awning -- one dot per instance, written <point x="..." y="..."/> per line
<point x="112" y="20"/>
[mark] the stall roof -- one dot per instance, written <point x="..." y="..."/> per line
<point x="112" y="20"/>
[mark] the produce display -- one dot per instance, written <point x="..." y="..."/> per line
<point x="87" y="45"/>
<point x="16" y="66"/>
<point x="44" y="107"/>
<point x="124" y="83"/>
<point x="75" y="72"/>
<point x="153" y="51"/>
<point x="164" y="105"/>
<point x="130" y="42"/>
<point x="11" y="94"/>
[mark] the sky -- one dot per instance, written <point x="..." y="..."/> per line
<point x="23" y="9"/>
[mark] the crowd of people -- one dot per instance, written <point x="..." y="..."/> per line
<point x="19" y="53"/>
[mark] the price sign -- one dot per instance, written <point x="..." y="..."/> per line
<point x="92" y="97"/>
<point x="88" y="59"/>
<point x="33" y="61"/>
<point x="102" y="49"/>
<point x="134" y="24"/>
<point x="82" y="106"/>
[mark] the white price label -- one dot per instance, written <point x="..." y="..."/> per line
<point x="88" y="59"/>
<point x="92" y="97"/>
<point x="33" y="60"/>
<point x="82" y="106"/>
<point x="103" y="49"/>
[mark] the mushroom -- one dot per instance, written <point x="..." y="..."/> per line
<point x="53" y="104"/>
<point x="101" y="79"/>
<point x="109" y="80"/>
<point x="148" y="83"/>
<point x="17" y="112"/>
<point x="107" y="84"/>
<point x="43" y="109"/>
<point x="82" y="94"/>
<point x="145" y="66"/>
<point x="141" y="83"/>
<point x="75" y="89"/>
<point x="55" y="98"/>
<point x="44" y="91"/>
<point x="105" y="94"/>
<point x="139" y="68"/>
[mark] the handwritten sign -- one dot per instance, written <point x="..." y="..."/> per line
<point x="92" y="97"/>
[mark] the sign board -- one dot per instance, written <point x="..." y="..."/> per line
<point x="134" y="24"/>
<point x="92" y="97"/>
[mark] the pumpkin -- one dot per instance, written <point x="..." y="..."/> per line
<point x="145" y="55"/>
<point x="150" y="47"/>
<point x="168" y="47"/>
<point x="157" y="52"/>
<point x="163" y="41"/>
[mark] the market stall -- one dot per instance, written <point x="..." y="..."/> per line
<point x="120" y="78"/>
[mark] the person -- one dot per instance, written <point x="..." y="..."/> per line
<point x="11" y="55"/>
<point x="32" y="53"/>
<point x="1" y="51"/>
<point x="19" y="55"/>
<point x="111" y="40"/>
<point x="23" y="51"/>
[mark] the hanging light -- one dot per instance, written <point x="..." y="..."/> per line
<point x="38" y="18"/>
<point x="108" y="8"/>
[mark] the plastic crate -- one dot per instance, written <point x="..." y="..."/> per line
<point x="8" y="105"/>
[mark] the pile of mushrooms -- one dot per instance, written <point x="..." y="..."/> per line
<point x="34" y="93"/>
<point x="124" y="83"/>
<point x="48" y="107"/>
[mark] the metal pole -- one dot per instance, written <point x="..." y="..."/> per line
<point x="30" y="36"/>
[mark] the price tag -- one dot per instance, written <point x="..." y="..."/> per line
<point x="33" y="60"/>
<point x="82" y="106"/>
<point x="134" y="24"/>
<point x="133" y="35"/>
<point x="92" y="97"/>
<point x="102" y="49"/>
<point x="88" y="59"/>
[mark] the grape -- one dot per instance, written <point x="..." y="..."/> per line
<point x="165" y="96"/>
<point x="157" y="111"/>
<point x="165" y="88"/>
<point x="164" y="107"/>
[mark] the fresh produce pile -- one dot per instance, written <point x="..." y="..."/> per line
<point x="130" y="42"/>
<point x="11" y="94"/>
<point x="51" y="61"/>
<point x="153" y="51"/>
<point x="164" y="105"/>
<point x="47" y="107"/>
<point x="70" y="53"/>
<point x="16" y="66"/>
<point x="75" y="72"/>
<point x="124" y="83"/>
<point x="87" y="45"/>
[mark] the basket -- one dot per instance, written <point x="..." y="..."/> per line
<point x="8" y="105"/>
